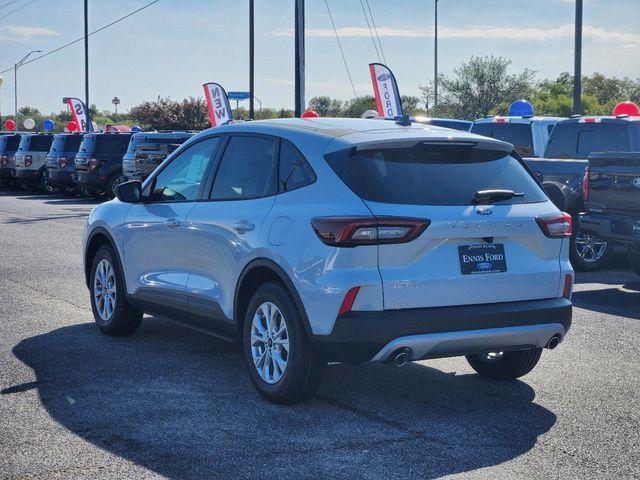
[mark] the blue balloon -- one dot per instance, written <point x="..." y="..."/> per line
<point x="48" y="125"/>
<point x="136" y="129"/>
<point x="521" y="108"/>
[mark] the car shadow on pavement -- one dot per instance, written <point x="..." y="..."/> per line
<point x="623" y="301"/>
<point x="181" y="404"/>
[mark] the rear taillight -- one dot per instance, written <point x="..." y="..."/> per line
<point x="354" y="231"/>
<point x="4" y="159"/>
<point x="62" y="162"/>
<point x="28" y="160"/>
<point x="93" y="163"/>
<point x="568" y="284"/>
<point x="556" y="225"/>
<point x="585" y="184"/>
<point x="349" y="298"/>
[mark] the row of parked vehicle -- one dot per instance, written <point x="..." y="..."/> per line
<point x="558" y="150"/>
<point x="590" y="168"/>
<point x="92" y="164"/>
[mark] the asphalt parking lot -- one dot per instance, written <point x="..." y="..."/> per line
<point x="169" y="402"/>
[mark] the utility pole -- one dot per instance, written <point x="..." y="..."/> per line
<point x="299" y="52"/>
<point x="577" y="63"/>
<point x="86" y="53"/>
<point x="435" y="57"/>
<point x="15" y="83"/>
<point x="251" y="58"/>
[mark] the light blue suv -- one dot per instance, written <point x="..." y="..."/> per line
<point x="320" y="240"/>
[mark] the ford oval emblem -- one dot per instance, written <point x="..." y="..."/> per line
<point x="636" y="182"/>
<point x="484" y="211"/>
<point x="484" y="266"/>
<point x="384" y="77"/>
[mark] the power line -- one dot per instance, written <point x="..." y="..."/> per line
<point x="16" y="10"/>
<point x="370" y="31"/>
<point x="346" y="66"/>
<point x="375" y="28"/>
<point x="11" y="2"/>
<point x="82" y="38"/>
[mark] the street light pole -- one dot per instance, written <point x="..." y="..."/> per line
<point x="435" y="57"/>
<point x="15" y="83"/>
<point x="299" y="60"/>
<point x="577" y="60"/>
<point x="251" y="73"/>
<point x="86" y="53"/>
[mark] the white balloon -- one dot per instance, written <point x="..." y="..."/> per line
<point x="29" y="123"/>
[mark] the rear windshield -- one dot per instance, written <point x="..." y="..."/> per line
<point x="35" y="143"/>
<point x="431" y="174"/>
<point x="578" y="140"/>
<point x="517" y="134"/>
<point x="148" y="141"/>
<point x="9" y="143"/>
<point x="105" y="143"/>
<point x="66" y="143"/>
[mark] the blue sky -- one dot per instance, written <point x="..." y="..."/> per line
<point x="172" y="47"/>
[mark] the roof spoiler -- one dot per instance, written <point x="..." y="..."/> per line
<point x="479" y="144"/>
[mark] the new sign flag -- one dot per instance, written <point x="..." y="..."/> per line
<point x="80" y="114"/>
<point x="218" y="104"/>
<point x="386" y="91"/>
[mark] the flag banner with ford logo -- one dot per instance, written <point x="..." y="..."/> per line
<point x="386" y="91"/>
<point x="80" y="114"/>
<point x="218" y="104"/>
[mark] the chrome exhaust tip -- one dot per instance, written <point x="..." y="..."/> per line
<point x="401" y="356"/>
<point x="553" y="342"/>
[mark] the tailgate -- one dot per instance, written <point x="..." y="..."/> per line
<point x="466" y="257"/>
<point x="614" y="182"/>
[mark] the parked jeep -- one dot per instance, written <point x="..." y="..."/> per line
<point x="31" y="159"/>
<point x="147" y="150"/>
<point x="8" y="146"/>
<point x="60" y="161"/>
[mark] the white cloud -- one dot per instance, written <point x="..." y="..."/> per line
<point x="589" y="32"/>
<point x="25" y="34"/>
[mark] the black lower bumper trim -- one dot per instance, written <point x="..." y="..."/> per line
<point x="358" y="336"/>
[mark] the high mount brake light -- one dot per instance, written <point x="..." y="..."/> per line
<point x="556" y="225"/>
<point x="355" y="231"/>
<point x="585" y="184"/>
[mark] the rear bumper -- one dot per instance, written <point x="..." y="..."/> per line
<point x="445" y="331"/>
<point x="25" y="175"/>
<point x="609" y="228"/>
<point x="7" y="172"/>
<point x="59" y="178"/>
<point x="92" y="181"/>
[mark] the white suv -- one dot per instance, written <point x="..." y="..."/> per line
<point x="322" y="240"/>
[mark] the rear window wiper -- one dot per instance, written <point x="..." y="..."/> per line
<point x="483" y="197"/>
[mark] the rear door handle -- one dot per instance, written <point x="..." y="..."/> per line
<point x="243" y="226"/>
<point x="172" y="223"/>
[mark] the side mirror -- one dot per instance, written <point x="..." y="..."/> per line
<point x="129" y="192"/>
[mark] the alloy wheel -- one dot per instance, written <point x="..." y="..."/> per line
<point x="590" y="248"/>
<point x="104" y="290"/>
<point x="269" y="343"/>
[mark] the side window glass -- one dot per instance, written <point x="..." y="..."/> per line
<point x="294" y="171"/>
<point x="247" y="169"/>
<point x="180" y="180"/>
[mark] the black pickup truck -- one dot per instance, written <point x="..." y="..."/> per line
<point x="562" y="168"/>
<point x="612" y="209"/>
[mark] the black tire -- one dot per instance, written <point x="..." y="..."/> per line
<point x="110" y="190"/>
<point x="124" y="319"/>
<point x="508" y="366"/>
<point x="585" y="261"/>
<point x="304" y="369"/>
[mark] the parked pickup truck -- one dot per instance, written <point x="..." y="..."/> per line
<point x="562" y="168"/>
<point x="612" y="203"/>
<point x="528" y="134"/>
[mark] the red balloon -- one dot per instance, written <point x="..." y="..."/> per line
<point x="72" y="126"/>
<point x="310" y="114"/>
<point x="10" y="125"/>
<point x="627" y="108"/>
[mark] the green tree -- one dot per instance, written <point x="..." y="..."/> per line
<point x="326" y="106"/>
<point x="355" y="107"/>
<point x="479" y="87"/>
